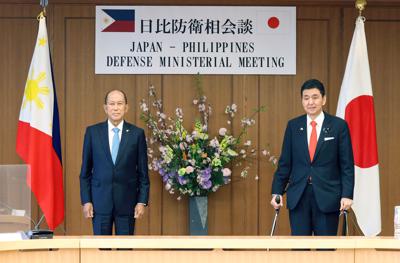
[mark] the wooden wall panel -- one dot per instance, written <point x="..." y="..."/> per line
<point x="242" y="207"/>
<point x="245" y="195"/>
<point x="150" y="224"/>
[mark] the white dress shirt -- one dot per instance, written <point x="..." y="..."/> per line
<point x="111" y="132"/>
<point x="319" y="120"/>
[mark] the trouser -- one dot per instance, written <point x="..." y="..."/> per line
<point x="307" y="219"/>
<point x="102" y="224"/>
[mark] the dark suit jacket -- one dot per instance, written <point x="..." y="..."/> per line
<point x="332" y="169"/>
<point x="116" y="187"/>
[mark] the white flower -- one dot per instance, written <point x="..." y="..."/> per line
<point x="234" y="107"/>
<point x="179" y="113"/>
<point x="245" y="172"/>
<point x="247" y="143"/>
<point x="214" y="143"/>
<point x="227" y="109"/>
<point x="202" y="107"/>
<point x="265" y="152"/>
<point x="222" y="131"/>
<point x="215" y="188"/>
<point x="144" y="107"/>
<point x="167" y="186"/>
<point x="195" y="102"/>
<point x="152" y="91"/>
<point x="189" y="138"/>
<point x="226" y="172"/>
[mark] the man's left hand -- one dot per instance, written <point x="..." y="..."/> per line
<point x="139" y="210"/>
<point x="345" y="203"/>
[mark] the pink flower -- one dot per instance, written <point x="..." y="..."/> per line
<point x="182" y="146"/>
<point x="226" y="172"/>
<point x="189" y="169"/>
<point x="222" y="131"/>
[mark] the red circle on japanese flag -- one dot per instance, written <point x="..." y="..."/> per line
<point x="360" y="116"/>
<point x="273" y="22"/>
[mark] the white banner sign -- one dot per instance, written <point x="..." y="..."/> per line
<point x="195" y="39"/>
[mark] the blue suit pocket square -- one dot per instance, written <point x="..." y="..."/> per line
<point x="328" y="138"/>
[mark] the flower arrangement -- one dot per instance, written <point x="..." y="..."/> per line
<point x="191" y="162"/>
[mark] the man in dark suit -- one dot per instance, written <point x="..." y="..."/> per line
<point x="114" y="175"/>
<point x="316" y="167"/>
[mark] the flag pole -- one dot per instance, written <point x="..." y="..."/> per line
<point x="41" y="15"/>
<point x="43" y="4"/>
<point x="37" y="232"/>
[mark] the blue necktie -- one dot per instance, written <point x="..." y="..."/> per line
<point x="115" y="145"/>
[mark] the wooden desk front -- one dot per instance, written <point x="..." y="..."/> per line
<point x="210" y="249"/>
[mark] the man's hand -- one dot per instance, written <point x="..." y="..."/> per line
<point x="139" y="210"/>
<point x="88" y="210"/>
<point x="274" y="204"/>
<point x="345" y="203"/>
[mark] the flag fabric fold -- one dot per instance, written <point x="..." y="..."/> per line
<point x="38" y="136"/>
<point x="356" y="106"/>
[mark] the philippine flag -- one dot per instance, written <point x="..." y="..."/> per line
<point x="118" y="20"/>
<point x="38" y="135"/>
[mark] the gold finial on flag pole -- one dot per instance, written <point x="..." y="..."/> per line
<point x="360" y="5"/>
<point x="41" y="15"/>
<point x="43" y="4"/>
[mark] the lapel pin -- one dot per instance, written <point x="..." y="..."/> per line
<point x="301" y="129"/>
<point x="127" y="130"/>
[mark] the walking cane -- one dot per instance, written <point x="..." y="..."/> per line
<point x="278" y="201"/>
<point x="345" y="229"/>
